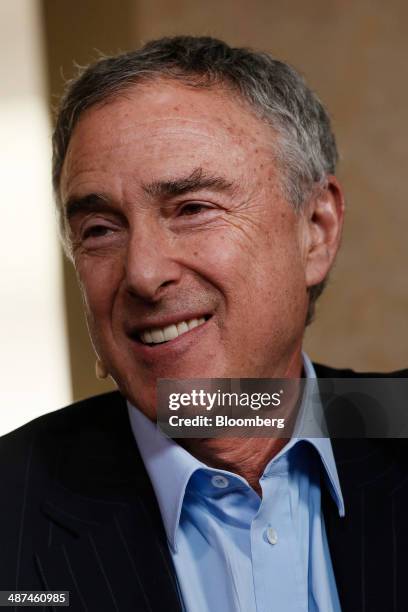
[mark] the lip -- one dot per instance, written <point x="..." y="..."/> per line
<point x="156" y="352"/>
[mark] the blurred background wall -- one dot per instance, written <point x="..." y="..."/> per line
<point x="353" y="53"/>
<point x="34" y="364"/>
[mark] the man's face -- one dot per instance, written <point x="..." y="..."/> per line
<point x="177" y="215"/>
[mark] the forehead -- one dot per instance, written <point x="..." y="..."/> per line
<point x="165" y="124"/>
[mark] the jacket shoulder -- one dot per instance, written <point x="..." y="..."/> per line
<point x="323" y="371"/>
<point x="51" y="459"/>
<point x="31" y="455"/>
<point x="79" y="416"/>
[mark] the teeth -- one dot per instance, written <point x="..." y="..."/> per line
<point x="182" y="327"/>
<point x="147" y="337"/>
<point x="170" y="332"/>
<point x="158" y="335"/>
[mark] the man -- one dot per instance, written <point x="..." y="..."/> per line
<point x="198" y="202"/>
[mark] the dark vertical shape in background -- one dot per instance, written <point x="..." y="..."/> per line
<point x="77" y="31"/>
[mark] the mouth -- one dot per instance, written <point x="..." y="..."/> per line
<point x="154" y="336"/>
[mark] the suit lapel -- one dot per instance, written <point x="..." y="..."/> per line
<point x="363" y="544"/>
<point x="119" y="564"/>
<point x="105" y="541"/>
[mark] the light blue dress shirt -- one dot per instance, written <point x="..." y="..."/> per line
<point x="232" y="550"/>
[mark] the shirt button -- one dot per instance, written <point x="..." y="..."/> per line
<point x="271" y="535"/>
<point x="219" y="481"/>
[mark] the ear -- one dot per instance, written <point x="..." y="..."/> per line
<point x="323" y="224"/>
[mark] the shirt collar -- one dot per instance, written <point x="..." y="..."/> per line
<point x="170" y="466"/>
<point x="320" y="441"/>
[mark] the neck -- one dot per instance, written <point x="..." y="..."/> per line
<point x="247" y="457"/>
<point x="244" y="456"/>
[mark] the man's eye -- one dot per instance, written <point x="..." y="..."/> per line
<point x="193" y="208"/>
<point x="96" y="231"/>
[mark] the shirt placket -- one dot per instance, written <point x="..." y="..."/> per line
<point x="277" y="574"/>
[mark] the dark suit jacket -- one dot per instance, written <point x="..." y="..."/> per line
<point x="78" y="513"/>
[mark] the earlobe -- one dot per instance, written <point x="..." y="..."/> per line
<point x="101" y="370"/>
<point x="324" y="220"/>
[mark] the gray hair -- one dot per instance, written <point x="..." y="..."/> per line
<point x="306" y="147"/>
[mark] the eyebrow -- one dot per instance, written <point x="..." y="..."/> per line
<point x="197" y="180"/>
<point x="92" y="202"/>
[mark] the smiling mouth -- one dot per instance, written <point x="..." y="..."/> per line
<point x="159" y="335"/>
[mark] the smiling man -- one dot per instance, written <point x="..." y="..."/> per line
<point x="177" y="213"/>
<point x="198" y="202"/>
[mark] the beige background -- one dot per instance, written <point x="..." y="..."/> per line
<point x="354" y="54"/>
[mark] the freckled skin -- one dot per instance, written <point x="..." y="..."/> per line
<point x="243" y="258"/>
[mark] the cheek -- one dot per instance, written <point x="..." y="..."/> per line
<point x="283" y="251"/>
<point x="99" y="279"/>
<point x="238" y="262"/>
<point x="220" y="258"/>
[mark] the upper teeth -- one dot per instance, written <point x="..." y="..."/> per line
<point x="163" y="334"/>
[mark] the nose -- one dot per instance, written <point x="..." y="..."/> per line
<point x="151" y="262"/>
